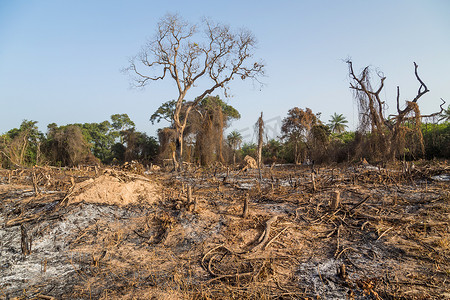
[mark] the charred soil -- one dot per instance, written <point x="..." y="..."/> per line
<point x="342" y="232"/>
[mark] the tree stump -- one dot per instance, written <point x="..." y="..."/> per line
<point x="195" y="204"/>
<point x="336" y="199"/>
<point x="245" y="210"/>
<point x="37" y="192"/>
<point x="189" y="194"/>
<point x="25" y="240"/>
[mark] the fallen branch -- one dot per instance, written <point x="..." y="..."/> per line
<point x="340" y="253"/>
<point x="210" y="251"/>
<point x="20" y="220"/>
<point x="217" y="276"/>
<point x="44" y="297"/>
<point x="269" y="242"/>
<point x="265" y="235"/>
<point x="384" y="232"/>
<point x="359" y="204"/>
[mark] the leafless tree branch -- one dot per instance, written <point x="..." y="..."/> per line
<point x="189" y="55"/>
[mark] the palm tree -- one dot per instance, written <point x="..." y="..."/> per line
<point x="445" y="115"/>
<point x="234" y="140"/>
<point x="337" y="123"/>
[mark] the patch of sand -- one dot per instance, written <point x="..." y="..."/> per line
<point x="116" y="188"/>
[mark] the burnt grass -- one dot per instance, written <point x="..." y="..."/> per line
<point x="386" y="238"/>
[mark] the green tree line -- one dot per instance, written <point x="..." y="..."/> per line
<point x="108" y="142"/>
<point x="304" y="138"/>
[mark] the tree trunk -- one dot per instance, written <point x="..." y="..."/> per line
<point x="260" y="139"/>
<point x="38" y="153"/>
<point x="179" y="128"/>
<point x="174" y="160"/>
<point x="25" y="142"/>
<point x="220" y="136"/>
<point x="220" y="150"/>
<point x="296" y="153"/>
<point x="179" y="149"/>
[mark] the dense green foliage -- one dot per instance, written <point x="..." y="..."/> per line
<point x="164" y="112"/>
<point x="68" y="145"/>
<point x="437" y="140"/>
<point x="21" y="146"/>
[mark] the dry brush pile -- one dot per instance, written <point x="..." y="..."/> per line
<point x="358" y="232"/>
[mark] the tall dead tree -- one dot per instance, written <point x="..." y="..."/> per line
<point x="390" y="133"/>
<point x="213" y="56"/>
<point x="260" y="131"/>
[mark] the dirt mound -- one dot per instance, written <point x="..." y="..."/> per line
<point x="116" y="188"/>
<point x="250" y="162"/>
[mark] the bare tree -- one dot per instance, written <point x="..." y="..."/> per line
<point x="390" y="132"/>
<point x="213" y="56"/>
<point x="260" y="131"/>
<point x="259" y="126"/>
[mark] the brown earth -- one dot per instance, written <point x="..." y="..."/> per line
<point x="111" y="234"/>
<point x="116" y="188"/>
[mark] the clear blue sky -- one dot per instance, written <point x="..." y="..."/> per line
<point x="60" y="61"/>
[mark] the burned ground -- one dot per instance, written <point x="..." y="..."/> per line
<point x="111" y="234"/>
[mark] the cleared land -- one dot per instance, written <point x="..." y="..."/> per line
<point x="128" y="234"/>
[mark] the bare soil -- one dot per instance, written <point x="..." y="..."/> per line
<point x="114" y="234"/>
